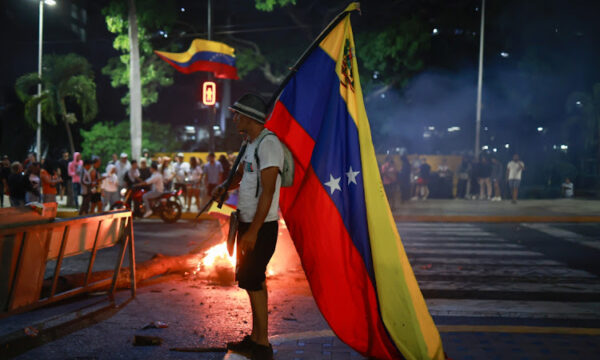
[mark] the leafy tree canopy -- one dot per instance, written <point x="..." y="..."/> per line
<point x="105" y="139"/>
<point x="153" y="16"/>
<point x="269" y="5"/>
<point x="66" y="80"/>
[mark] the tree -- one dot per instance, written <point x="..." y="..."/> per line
<point x="67" y="81"/>
<point x="153" y="17"/>
<point x="105" y="139"/>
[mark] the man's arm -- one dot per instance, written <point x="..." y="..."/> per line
<point x="268" y="178"/>
<point x="235" y="182"/>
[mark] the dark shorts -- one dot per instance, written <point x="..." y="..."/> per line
<point x="252" y="266"/>
<point x="514" y="183"/>
<point x="96" y="197"/>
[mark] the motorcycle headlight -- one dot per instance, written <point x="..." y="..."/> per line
<point x="123" y="192"/>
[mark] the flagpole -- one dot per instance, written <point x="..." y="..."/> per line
<point x="309" y="50"/>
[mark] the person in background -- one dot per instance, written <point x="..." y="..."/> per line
<point x="32" y="183"/>
<point x="74" y="169"/>
<point x="212" y="173"/>
<point x="405" y="178"/>
<point x="144" y="169"/>
<point x="4" y="174"/>
<point x="50" y="180"/>
<point x="514" y="170"/>
<point x="97" y="178"/>
<point x="157" y="183"/>
<point x="567" y="189"/>
<point x="132" y="176"/>
<point x="194" y="183"/>
<point x="226" y="165"/>
<point x="389" y="176"/>
<point x="114" y="159"/>
<point x="146" y="154"/>
<point x="497" y="174"/>
<point x="63" y="171"/>
<point x="16" y="184"/>
<point x="464" y="180"/>
<point x="166" y="171"/>
<point x="110" y="186"/>
<point x="180" y="173"/>
<point x="123" y="166"/>
<point x="423" y="180"/>
<point x="86" y="186"/>
<point x="31" y="158"/>
<point x="484" y="173"/>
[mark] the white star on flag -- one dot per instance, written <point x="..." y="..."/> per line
<point x="333" y="183"/>
<point x="352" y="176"/>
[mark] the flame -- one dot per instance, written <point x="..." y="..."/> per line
<point x="216" y="256"/>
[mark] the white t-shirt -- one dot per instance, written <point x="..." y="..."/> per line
<point x="568" y="189"/>
<point x="270" y="154"/>
<point x="515" y="168"/>
<point x="110" y="183"/>
<point x="156" y="180"/>
<point x="195" y="174"/>
<point x="180" y="169"/>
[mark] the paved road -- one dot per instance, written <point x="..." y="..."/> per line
<point x="533" y="271"/>
<point x="490" y="288"/>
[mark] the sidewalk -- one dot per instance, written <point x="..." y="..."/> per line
<point x="460" y="210"/>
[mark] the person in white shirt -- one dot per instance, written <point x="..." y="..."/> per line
<point x="259" y="182"/>
<point x="110" y="186"/>
<point x="180" y="172"/>
<point x="514" y="169"/>
<point x="123" y="166"/>
<point x="567" y="188"/>
<point x="195" y="175"/>
<point x="156" y="181"/>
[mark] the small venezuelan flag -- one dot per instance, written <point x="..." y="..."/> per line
<point x="204" y="55"/>
<point x="338" y="214"/>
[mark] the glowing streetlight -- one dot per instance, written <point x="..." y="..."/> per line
<point x="38" y="136"/>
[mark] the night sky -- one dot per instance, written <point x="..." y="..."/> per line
<point x="536" y="54"/>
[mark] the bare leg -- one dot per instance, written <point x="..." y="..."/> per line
<point x="260" y="316"/>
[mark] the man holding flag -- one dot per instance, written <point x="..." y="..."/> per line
<point x="336" y="209"/>
<point x="259" y="182"/>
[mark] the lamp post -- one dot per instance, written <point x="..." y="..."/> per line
<point x="479" y="82"/>
<point x="39" y="88"/>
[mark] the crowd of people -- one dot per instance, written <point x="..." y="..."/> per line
<point x="484" y="179"/>
<point x="96" y="188"/>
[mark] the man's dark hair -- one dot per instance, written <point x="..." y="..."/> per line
<point x="133" y="162"/>
<point x="87" y="162"/>
<point x="154" y="165"/>
<point x="211" y="154"/>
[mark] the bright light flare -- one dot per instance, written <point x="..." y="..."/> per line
<point x="50" y="2"/>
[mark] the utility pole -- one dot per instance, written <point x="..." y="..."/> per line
<point x="213" y="108"/>
<point x="135" y="85"/>
<point x="479" y="83"/>
<point x="38" y="148"/>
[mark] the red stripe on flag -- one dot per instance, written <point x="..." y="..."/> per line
<point x="336" y="272"/>
<point x="221" y="71"/>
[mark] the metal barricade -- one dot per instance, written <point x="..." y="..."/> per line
<point x="26" y="250"/>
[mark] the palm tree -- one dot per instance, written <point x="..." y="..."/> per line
<point x="64" y="77"/>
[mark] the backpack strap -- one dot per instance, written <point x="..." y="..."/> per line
<point x="260" y="138"/>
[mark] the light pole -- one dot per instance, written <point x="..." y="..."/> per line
<point x="479" y="82"/>
<point x="39" y="106"/>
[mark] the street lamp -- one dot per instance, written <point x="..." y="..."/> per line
<point x="39" y="106"/>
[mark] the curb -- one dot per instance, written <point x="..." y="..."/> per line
<point x="496" y="219"/>
<point x="425" y="218"/>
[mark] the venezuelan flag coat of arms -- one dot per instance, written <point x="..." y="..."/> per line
<point x="337" y="211"/>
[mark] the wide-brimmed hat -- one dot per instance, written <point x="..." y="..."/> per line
<point x="251" y="105"/>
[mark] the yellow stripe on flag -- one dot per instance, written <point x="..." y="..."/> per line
<point x="402" y="306"/>
<point x="197" y="46"/>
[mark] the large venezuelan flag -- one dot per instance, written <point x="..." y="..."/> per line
<point x="204" y="55"/>
<point x="337" y="211"/>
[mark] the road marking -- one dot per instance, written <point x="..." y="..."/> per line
<point x="470" y="252"/>
<point x="522" y="309"/>
<point x="461" y="284"/>
<point x="470" y="245"/>
<point x="526" y="271"/>
<point x="408" y="238"/>
<point x="278" y="339"/>
<point x="519" y="329"/>
<point x="484" y="261"/>
<point x="564" y="235"/>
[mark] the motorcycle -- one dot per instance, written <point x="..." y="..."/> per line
<point x="167" y="206"/>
